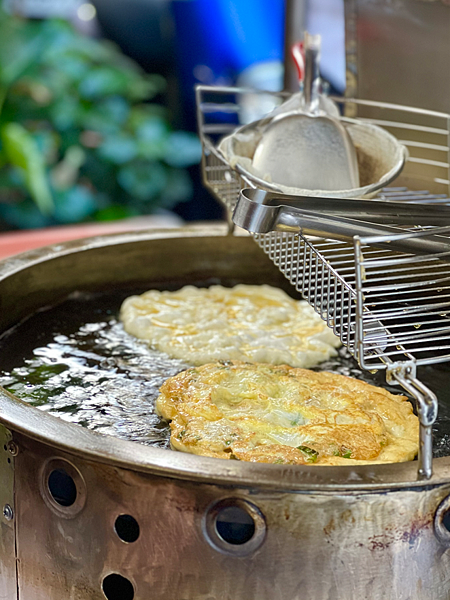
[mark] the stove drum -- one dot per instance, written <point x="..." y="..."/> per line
<point x="86" y="516"/>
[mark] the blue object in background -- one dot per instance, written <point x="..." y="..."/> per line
<point x="215" y="41"/>
<point x="191" y="42"/>
<point x="218" y="39"/>
<point x="240" y="33"/>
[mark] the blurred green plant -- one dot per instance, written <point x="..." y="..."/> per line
<point x="79" y="138"/>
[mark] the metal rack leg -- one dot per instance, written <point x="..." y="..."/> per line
<point x="427" y="408"/>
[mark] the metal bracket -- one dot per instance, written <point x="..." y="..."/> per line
<point x="8" y="573"/>
<point x="427" y="409"/>
<point x="400" y="370"/>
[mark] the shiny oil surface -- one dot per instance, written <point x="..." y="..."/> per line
<point x="81" y="366"/>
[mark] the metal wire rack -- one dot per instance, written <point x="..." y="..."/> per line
<point x="390" y="309"/>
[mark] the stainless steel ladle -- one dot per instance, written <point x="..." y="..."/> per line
<point x="308" y="148"/>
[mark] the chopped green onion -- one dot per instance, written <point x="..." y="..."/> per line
<point x="311" y="454"/>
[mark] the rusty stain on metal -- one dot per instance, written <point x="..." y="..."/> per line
<point x="329" y="527"/>
<point x="393" y="535"/>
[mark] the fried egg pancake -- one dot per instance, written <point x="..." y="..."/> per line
<point x="279" y="414"/>
<point x="252" y="323"/>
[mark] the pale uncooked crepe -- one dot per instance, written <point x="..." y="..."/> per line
<point x="281" y="415"/>
<point x="247" y="322"/>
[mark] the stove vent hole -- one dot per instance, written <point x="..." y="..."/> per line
<point x="116" y="587"/>
<point x="446" y="520"/>
<point x="127" y="528"/>
<point x="62" y="487"/>
<point x="235" y="525"/>
<point x="442" y="522"/>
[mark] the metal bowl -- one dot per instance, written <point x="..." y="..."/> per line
<point x="381" y="158"/>
<point x="88" y="516"/>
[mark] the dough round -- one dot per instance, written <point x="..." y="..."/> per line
<point x="279" y="414"/>
<point x="247" y="322"/>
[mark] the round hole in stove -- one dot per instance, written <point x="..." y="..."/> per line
<point x="442" y="522"/>
<point x="127" y="528"/>
<point x="446" y="520"/>
<point x="234" y="526"/>
<point x="117" y="587"/>
<point x="62" y="487"/>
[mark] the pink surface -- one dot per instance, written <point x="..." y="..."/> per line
<point x="20" y="241"/>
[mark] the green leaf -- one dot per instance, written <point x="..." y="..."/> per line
<point x="24" y="215"/>
<point x="102" y="81"/>
<point x="60" y="89"/>
<point x="151" y="136"/>
<point x="96" y="118"/>
<point x="144" y="181"/>
<point x="178" y="188"/>
<point x="22" y="151"/>
<point x="74" y="67"/>
<point x="21" y="47"/>
<point x="65" y="113"/>
<point x="74" y="204"/>
<point x="118" y="149"/>
<point x="116" y="108"/>
<point x="115" y="212"/>
<point x="183" y="149"/>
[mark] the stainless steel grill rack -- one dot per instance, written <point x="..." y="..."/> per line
<point x="390" y="309"/>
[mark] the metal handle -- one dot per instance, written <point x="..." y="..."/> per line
<point x="427" y="409"/>
<point x="312" y="73"/>
<point x="376" y="211"/>
<point x="258" y="211"/>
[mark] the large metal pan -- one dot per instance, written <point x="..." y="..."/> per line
<point x="145" y="522"/>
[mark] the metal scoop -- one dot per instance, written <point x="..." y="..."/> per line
<point x="308" y="148"/>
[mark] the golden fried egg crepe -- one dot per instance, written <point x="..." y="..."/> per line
<point x="248" y="322"/>
<point x="279" y="414"/>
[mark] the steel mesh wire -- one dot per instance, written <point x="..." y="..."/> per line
<point x="385" y="306"/>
